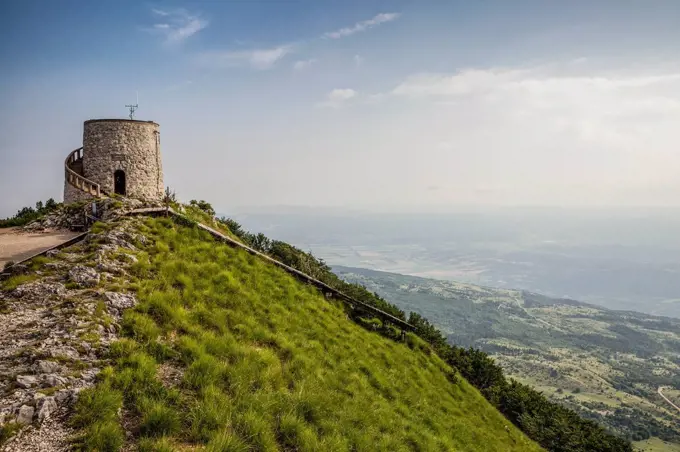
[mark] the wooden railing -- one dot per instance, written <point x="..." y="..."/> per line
<point x="323" y="287"/>
<point x="77" y="180"/>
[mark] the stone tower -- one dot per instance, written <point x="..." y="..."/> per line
<point x="120" y="156"/>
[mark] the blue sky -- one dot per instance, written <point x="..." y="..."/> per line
<point x="390" y="104"/>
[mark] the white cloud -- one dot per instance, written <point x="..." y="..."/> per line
<point x="177" y="25"/>
<point x="341" y="94"/>
<point x="461" y="83"/>
<point x="160" y="12"/>
<point x="362" y="26"/>
<point x="303" y="64"/>
<point x="338" y="97"/>
<point x="257" y="59"/>
<point x="548" y="134"/>
<point x="535" y="81"/>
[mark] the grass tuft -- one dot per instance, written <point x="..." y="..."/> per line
<point x="8" y="430"/>
<point x="94" y="405"/>
<point x="15" y="281"/>
<point x="159" y="419"/>
<point x="106" y="436"/>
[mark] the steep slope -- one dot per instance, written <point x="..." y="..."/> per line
<point x="607" y="365"/>
<point x="224" y="351"/>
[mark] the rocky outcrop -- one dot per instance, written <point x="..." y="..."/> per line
<point x="67" y="216"/>
<point x="54" y="335"/>
<point x="84" y="276"/>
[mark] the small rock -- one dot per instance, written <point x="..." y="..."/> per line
<point x="17" y="269"/>
<point x="46" y="367"/>
<point x="37" y="396"/>
<point x="54" y="265"/>
<point x="25" y="415"/>
<point x="39" y="289"/>
<point x="89" y="374"/>
<point x="109" y="267"/>
<point x="132" y="259"/>
<point x="26" y="381"/>
<point x="52" y="380"/>
<point x="46" y="406"/>
<point x="62" y="396"/>
<point x="52" y="253"/>
<point x="64" y="352"/>
<point x="84" y="276"/>
<point x="120" y="300"/>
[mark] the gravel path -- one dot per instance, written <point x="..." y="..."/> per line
<point x="16" y="245"/>
<point x="660" y="391"/>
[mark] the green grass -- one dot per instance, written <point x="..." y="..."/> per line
<point x="655" y="445"/>
<point x="268" y="364"/>
<point x="15" y="281"/>
<point x="8" y="430"/>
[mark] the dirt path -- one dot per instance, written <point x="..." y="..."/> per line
<point x="16" y="245"/>
<point x="660" y="391"/>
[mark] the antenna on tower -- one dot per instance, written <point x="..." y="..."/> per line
<point x="134" y="107"/>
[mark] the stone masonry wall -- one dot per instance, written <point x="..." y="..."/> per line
<point x="72" y="194"/>
<point x="131" y="146"/>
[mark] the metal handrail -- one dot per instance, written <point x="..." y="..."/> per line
<point x="82" y="183"/>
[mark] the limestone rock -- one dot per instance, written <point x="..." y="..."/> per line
<point x="64" y="352"/>
<point x="55" y="265"/>
<point x="52" y="380"/>
<point x="89" y="374"/>
<point x="46" y="367"/>
<point x="46" y="406"/>
<point x="120" y="300"/>
<point x="39" y="289"/>
<point x="52" y="253"/>
<point x="25" y="415"/>
<point x="84" y="276"/>
<point x="26" y="381"/>
<point x="130" y="258"/>
<point x="63" y="396"/>
<point x="110" y="267"/>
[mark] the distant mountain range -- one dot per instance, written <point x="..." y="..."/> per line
<point x="607" y="365"/>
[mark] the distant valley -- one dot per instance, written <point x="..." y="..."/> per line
<point x="607" y="365"/>
<point x="621" y="259"/>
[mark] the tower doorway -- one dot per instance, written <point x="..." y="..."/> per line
<point x="119" y="182"/>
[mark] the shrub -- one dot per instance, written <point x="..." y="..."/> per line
<point x="27" y="214"/>
<point x="204" y="206"/>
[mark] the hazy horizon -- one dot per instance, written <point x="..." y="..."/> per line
<point x="399" y="105"/>
<point x="613" y="258"/>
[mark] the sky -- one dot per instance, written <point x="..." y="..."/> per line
<point x="384" y="104"/>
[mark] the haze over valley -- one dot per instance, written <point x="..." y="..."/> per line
<point x="626" y="259"/>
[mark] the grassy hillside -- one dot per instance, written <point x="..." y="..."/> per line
<point x="607" y="365"/>
<point x="229" y="353"/>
